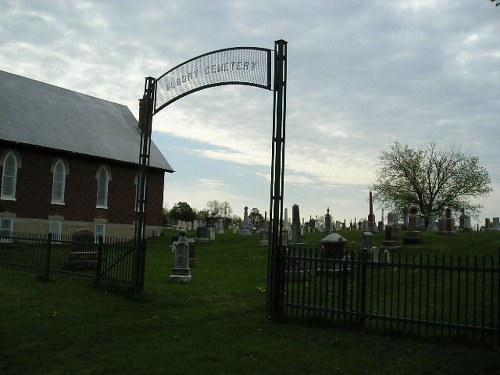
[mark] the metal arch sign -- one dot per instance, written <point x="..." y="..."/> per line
<point x="238" y="65"/>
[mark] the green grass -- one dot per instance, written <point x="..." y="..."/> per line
<point x="215" y="325"/>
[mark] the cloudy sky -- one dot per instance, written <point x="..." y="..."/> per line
<point x="361" y="75"/>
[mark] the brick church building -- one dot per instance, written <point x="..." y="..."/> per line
<point x="69" y="162"/>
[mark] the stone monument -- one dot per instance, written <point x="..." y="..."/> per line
<point x="412" y="233"/>
<point x="372" y="226"/>
<point x="246" y="230"/>
<point x="181" y="272"/>
<point x="202" y="235"/>
<point x="390" y="237"/>
<point x="296" y="232"/>
<point x="328" y="221"/>
<point x="447" y="225"/>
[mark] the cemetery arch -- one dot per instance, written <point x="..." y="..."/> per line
<point x="238" y="65"/>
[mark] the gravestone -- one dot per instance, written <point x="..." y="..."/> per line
<point x="246" y="230"/>
<point x="372" y="226"/>
<point x="333" y="246"/>
<point x="380" y="226"/>
<point x="375" y="254"/>
<point x="83" y="254"/>
<point x="412" y="233"/>
<point x="202" y="235"/>
<point x="285" y="237"/>
<point x="387" y="256"/>
<point x="464" y="222"/>
<point x="312" y="225"/>
<point x="366" y="226"/>
<point x="219" y="225"/>
<point x="286" y="225"/>
<point x="390" y="237"/>
<point x="392" y="219"/>
<point x="367" y="240"/>
<point x="467" y="224"/>
<point x="296" y="230"/>
<point x="496" y="223"/>
<point x="264" y="237"/>
<point x="181" y="272"/>
<point x="192" y="252"/>
<point x="432" y="226"/>
<point x="447" y="225"/>
<point x="328" y="221"/>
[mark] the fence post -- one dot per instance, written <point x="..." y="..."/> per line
<point x="344" y="282"/>
<point x="362" y="303"/>
<point x="48" y="256"/>
<point x="144" y="244"/>
<point x="98" y="270"/>
<point x="498" y="297"/>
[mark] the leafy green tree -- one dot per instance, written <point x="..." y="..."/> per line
<point x="255" y="217"/>
<point x="165" y="215"/>
<point x="182" y="211"/>
<point x="430" y="178"/>
<point x="202" y="215"/>
<point x="237" y="220"/>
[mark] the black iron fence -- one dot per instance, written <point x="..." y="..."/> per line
<point x="433" y="295"/>
<point x="115" y="265"/>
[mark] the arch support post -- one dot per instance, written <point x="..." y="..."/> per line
<point x="276" y="263"/>
<point x="146" y="108"/>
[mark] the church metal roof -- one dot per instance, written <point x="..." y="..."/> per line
<point x="39" y="114"/>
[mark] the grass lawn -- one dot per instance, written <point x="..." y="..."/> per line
<point x="215" y="325"/>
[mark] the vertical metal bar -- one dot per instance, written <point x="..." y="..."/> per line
<point x="291" y="276"/>
<point x="324" y="264"/>
<point x="146" y="108"/>
<point x="391" y="297"/>
<point x="320" y="282"/>
<point x="399" y="292"/>
<point x="354" y="291"/>
<point x="412" y="304"/>
<point x="405" y="303"/>
<point x="302" y="277"/>
<point x="385" y="292"/>
<point x="458" y="295"/>
<point x="421" y="268"/>
<point x="497" y="270"/>
<point x="474" y="300"/>
<point x="362" y="264"/>
<point x="427" y="293"/>
<point x="442" y="293"/>
<point x="343" y="285"/>
<point x="275" y="277"/>
<point x="450" y="302"/>
<point x="98" y="270"/>
<point x="466" y="312"/>
<point x="375" y="311"/>
<point x="483" y="300"/>
<point x="48" y="256"/>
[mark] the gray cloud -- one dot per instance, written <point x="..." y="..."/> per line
<point x="361" y="75"/>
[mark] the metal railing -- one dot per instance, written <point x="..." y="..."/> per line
<point x="114" y="265"/>
<point x="456" y="297"/>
